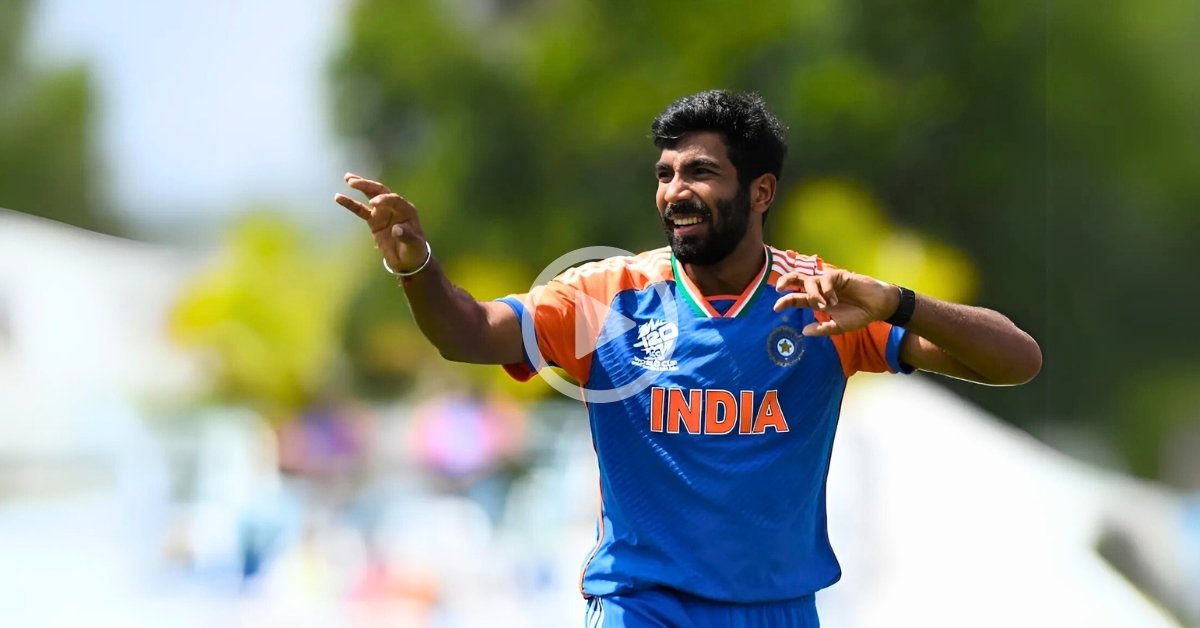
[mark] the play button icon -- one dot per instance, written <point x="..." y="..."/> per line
<point x="596" y="324"/>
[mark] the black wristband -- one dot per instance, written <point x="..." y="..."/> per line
<point x="904" y="311"/>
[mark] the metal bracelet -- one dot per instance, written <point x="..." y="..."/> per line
<point x="428" y="256"/>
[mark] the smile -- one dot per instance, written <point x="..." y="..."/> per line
<point x="687" y="221"/>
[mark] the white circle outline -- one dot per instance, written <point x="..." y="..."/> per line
<point x="579" y="391"/>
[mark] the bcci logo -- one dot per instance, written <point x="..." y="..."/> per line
<point x="785" y="346"/>
<point x="657" y="339"/>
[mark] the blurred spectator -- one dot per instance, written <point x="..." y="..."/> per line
<point x="472" y="443"/>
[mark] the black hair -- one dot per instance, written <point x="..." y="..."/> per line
<point x="754" y="138"/>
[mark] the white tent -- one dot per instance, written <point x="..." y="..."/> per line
<point x="943" y="516"/>
<point x="82" y="323"/>
<point x="82" y="340"/>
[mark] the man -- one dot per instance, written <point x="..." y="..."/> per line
<point x="712" y="471"/>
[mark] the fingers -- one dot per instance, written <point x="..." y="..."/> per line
<point x="359" y="209"/>
<point x="366" y="186"/>
<point x="406" y="236"/>
<point x="825" y="284"/>
<point x="816" y="291"/>
<point x="376" y="211"/>
<point x="820" y="285"/>
<point x="383" y="209"/>
<point x="389" y="209"/>
<point x="798" y="299"/>
<point x="822" y="328"/>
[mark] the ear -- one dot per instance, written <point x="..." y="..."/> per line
<point x="762" y="193"/>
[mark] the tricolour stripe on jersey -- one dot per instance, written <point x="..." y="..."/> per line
<point x="751" y="292"/>
<point x="692" y="295"/>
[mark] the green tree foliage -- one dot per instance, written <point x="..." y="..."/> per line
<point x="47" y="148"/>
<point x="1039" y="139"/>
<point x="1123" y="214"/>
<point x="266" y="317"/>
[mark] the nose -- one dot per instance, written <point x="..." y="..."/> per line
<point x="676" y="190"/>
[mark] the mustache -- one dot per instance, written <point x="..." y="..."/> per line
<point x="694" y="207"/>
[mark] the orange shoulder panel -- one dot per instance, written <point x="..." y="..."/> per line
<point x="862" y="349"/>
<point x="569" y="311"/>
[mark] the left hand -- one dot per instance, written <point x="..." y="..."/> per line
<point x="851" y="301"/>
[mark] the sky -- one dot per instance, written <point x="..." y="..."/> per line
<point x="206" y="108"/>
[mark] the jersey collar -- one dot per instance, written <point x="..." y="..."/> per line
<point x="700" y="305"/>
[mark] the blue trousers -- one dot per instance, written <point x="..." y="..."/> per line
<point x="663" y="608"/>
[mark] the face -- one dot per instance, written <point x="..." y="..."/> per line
<point x="705" y="213"/>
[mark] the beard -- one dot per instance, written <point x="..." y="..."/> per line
<point x="723" y="235"/>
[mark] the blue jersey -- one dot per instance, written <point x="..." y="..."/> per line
<point x="713" y="466"/>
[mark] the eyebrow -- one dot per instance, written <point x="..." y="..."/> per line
<point x="691" y="164"/>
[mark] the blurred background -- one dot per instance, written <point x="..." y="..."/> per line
<point x="215" y="409"/>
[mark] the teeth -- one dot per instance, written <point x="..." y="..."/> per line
<point x="683" y="222"/>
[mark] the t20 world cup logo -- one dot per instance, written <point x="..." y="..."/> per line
<point x="657" y="339"/>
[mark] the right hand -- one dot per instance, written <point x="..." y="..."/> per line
<point x="392" y="220"/>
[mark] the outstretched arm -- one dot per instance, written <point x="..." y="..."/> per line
<point x="462" y="329"/>
<point x="961" y="341"/>
<point x="971" y="343"/>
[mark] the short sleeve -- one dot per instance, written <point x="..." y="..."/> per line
<point x="874" y="349"/>
<point x="567" y="315"/>
<point x="549" y="311"/>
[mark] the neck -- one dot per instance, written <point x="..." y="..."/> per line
<point x="732" y="274"/>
